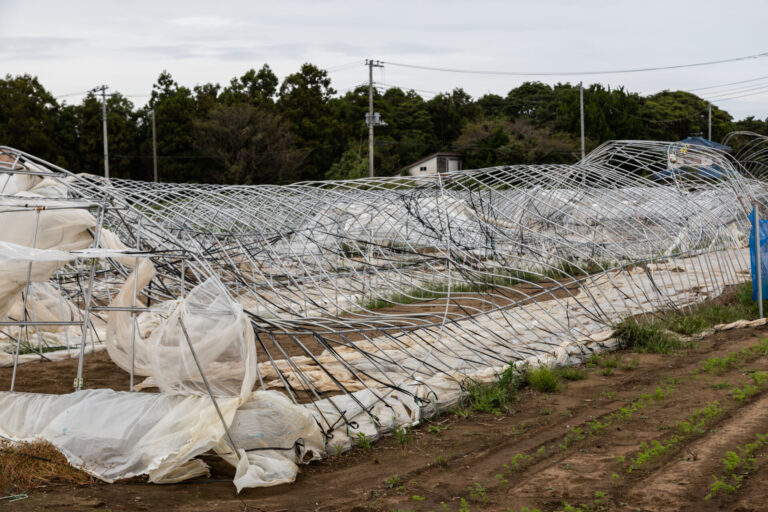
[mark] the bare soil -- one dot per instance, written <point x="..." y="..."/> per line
<point x="452" y="458"/>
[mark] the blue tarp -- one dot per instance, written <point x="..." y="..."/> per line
<point x="713" y="171"/>
<point x="763" y="255"/>
<point x="701" y="141"/>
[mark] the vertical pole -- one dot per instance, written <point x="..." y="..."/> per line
<point x="154" y="145"/>
<point x="370" y="117"/>
<point x="24" y="304"/>
<point x="104" y="124"/>
<point x="581" y="110"/>
<point x="133" y="308"/>
<point x="87" y="298"/>
<point x="709" y="120"/>
<point x="758" y="264"/>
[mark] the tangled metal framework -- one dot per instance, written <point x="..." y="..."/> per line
<point x="371" y="302"/>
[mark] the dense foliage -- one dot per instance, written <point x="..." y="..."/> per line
<point x="258" y="130"/>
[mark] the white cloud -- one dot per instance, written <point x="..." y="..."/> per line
<point x="207" y="22"/>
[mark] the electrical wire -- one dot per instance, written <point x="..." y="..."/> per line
<point x="725" y="85"/>
<point x="575" y="73"/>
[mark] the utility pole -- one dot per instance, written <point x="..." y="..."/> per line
<point x="581" y="109"/>
<point x="103" y="90"/>
<point x="154" y="145"/>
<point x="371" y="64"/>
<point x="709" y="120"/>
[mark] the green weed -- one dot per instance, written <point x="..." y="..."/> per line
<point x="478" y="493"/>
<point x="363" y="441"/>
<point x="543" y="379"/>
<point x="572" y="373"/>
<point x="403" y="435"/>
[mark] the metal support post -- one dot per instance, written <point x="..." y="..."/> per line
<point x="208" y="387"/>
<point x="24" y="304"/>
<point x="87" y="305"/>
<point x="759" y="269"/>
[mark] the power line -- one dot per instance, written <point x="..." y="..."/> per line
<point x="405" y="88"/>
<point x="741" y="91"/>
<point x="73" y="94"/>
<point x="343" y="67"/>
<point x="725" y="85"/>
<point x="575" y="73"/>
<point x="763" y="91"/>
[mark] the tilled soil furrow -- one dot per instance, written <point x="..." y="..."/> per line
<point x="685" y="479"/>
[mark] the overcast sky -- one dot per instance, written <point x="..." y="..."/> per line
<point x="76" y="45"/>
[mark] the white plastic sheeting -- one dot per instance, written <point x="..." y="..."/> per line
<point x="115" y="435"/>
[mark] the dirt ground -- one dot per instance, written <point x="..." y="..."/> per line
<point x="544" y="454"/>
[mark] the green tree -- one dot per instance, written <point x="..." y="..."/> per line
<point x="122" y="135"/>
<point x="674" y="115"/>
<point x="351" y="166"/>
<point x="304" y="102"/>
<point x="449" y="112"/>
<point x="28" y="117"/>
<point x="491" y="142"/>
<point x="175" y="109"/>
<point x="256" y="88"/>
<point x="254" y="145"/>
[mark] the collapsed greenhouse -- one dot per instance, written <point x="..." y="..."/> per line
<point x="273" y="325"/>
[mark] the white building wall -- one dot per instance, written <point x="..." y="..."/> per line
<point x="424" y="168"/>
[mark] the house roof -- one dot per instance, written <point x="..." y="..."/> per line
<point x="429" y="157"/>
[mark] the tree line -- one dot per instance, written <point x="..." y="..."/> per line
<point x="257" y="129"/>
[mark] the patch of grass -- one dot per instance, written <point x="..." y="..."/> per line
<point x="647" y="336"/>
<point x="495" y="397"/>
<point x="543" y="379"/>
<point x="25" y="466"/>
<point x="631" y="365"/>
<point x="653" y="335"/>
<point x="441" y="461"/>
<point x="393" y="481"/>
<point x="572" y="373"/>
